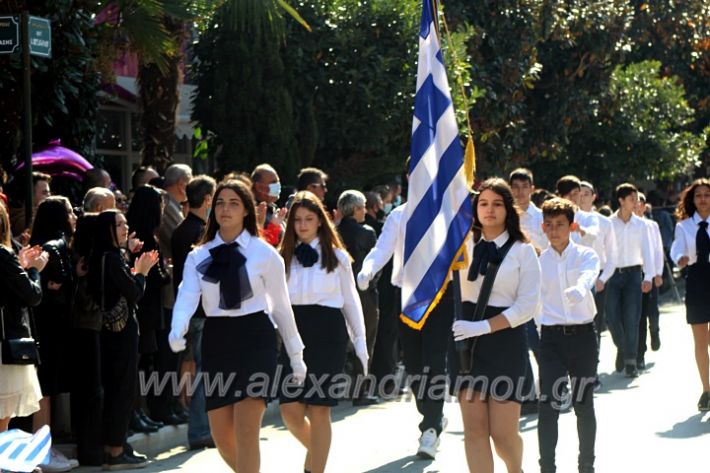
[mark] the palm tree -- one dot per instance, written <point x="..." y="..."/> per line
<point x="159" y="77"/>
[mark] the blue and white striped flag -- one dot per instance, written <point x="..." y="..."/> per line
<point x="439" y="210"/>
<point x="20" y="451"/>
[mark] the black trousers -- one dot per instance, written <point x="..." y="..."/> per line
<point x="164" y="363"/>
<point x="386" y="351"/>
<point x="649" y="319"/>
<point x="562" y="355"/>
<point x="119" y="372"/>
<point x="87" y="396"/>
<point x="425" y="353"/>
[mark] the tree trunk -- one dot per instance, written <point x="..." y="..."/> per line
<point x="159" y="96"/>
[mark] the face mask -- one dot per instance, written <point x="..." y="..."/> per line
<point x="388" y="208"/>
<point x="398" y="201"/>
<point x="209" y="212"/>
<point x="275" y="189"/>
<point x="380" y="214"/>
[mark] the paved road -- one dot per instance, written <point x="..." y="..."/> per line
<point x="649" y="424"/>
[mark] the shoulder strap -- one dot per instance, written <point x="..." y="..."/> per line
<point x="489" y="279"/>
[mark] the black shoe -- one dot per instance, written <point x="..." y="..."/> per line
<point x="181" y="413"/>
<point x="619" y="362"/>
<point x="137" y="424"/>
<point x="704" y="402"/>
<point x="631" y="371"/>
<point x="365" y="401"/>
<point x="144" y="417"/>
<point x="202" y="444"/>
<point x="597" y="385"/>
<point x="655" y="341"/>
<point x="641" y="364"/>
<point x="169" y="419"/>
<point x="123" y="462"/>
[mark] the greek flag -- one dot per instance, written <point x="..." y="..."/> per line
<point x="439" y="211"/>
<point x="20" y="451"/>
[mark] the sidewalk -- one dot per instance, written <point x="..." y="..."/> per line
<point x="648" y="424"/>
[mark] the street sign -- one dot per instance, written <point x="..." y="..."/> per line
<point x="9" y="34"/>
<point x="40" y="30"/>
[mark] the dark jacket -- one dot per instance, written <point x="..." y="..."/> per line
<point x="118" y="281"/>
<point x="20" y="289"/>
<point x="185" y="236"/>
<point x="374" y="223"/>
<point x="150" y="308"/>
<point x="58" y="270"/>
<point x="359" y="240"/>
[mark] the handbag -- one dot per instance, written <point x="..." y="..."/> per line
<point x="18" y="351"/>
<point x="116" y="318"/>
<point x="465" y="348"/>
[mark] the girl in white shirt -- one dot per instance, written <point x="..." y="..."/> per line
<point x="240" y="279"/>
<point x="691" y="249"/>
<point x="327" y="308"/>
<point x="499" y="355"/>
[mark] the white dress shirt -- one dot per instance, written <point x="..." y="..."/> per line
<point x="517" y="284"/>
<point x="567" y="282"/>
<point x="389" y="244"/>
<point x="633" y="244"/>
<point x="654" y="235"/>
<point x="589" y="223"/>
<point x="605" y="247"/>
<point x="684" y="241"/>
<point x="267" y="277"/>
<point x="531" y="223"/>
<point x="317" y="286"/>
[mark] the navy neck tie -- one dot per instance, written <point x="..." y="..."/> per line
<point x="702" y="243"/>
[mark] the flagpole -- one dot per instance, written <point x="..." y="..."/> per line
<point x="462" y="347"/>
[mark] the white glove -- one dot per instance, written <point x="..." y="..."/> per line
<point x="574" y="294"/>
<point x="363" y="281"/>
<point x="360" y="345"/>
<point x="299" y="368"/>
<point x="464" y="329"/>
<point x="177" y="341"/>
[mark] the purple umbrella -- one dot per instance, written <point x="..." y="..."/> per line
<point x="56" y="160"/>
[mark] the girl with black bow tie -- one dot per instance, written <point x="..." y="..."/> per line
<point x="240" y="279"/>
<point x="322" y="290"/>
<point x="491" y="390"/>
<point x="691" y="250"/>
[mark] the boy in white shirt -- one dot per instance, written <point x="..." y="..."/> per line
<point x="568" y="345"/>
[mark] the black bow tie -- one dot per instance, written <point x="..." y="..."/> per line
<point x="306" y="255"/>
<point x="484" y="252"/>
<point x="225" y="266"/>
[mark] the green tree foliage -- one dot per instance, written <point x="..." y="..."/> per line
<point x="64" y="88"/>
<point x="243" y="96"/>
<point x="641" y="129"/>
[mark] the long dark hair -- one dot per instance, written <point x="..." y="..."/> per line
<point x="105" y="240"/>
<point x="247" y="199"/>
<point x="51" y="221"/>
<point x="328" y="235"/>
<point x="83" y="243"/>
<point x="686" y="206"/>
<point x="144" y="215"/>
<point x="5" y="231"/>
<point x="512" y="212"/>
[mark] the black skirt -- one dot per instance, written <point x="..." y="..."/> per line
<point x="499" y="361"/>
<point x="697" y="294"/>
<point x="238" y="359"/>
<point x="325" y="336"/>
